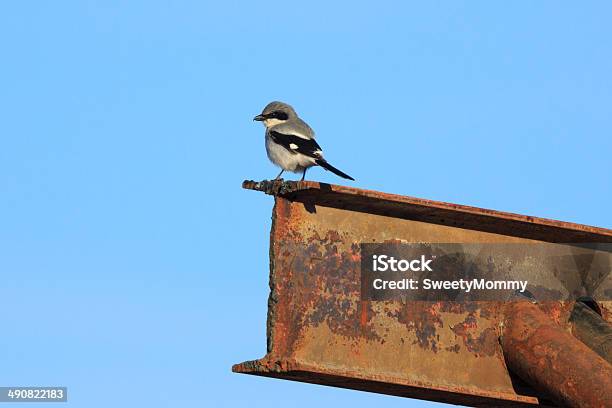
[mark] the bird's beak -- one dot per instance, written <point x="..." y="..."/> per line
<point x="259" y="118"/>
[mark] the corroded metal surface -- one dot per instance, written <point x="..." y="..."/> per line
<point x="592" y="330"/>
<point x="320" y="331"/>
<point x="548" y="357"/>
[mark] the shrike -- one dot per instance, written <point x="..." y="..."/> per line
<point x="290" y="142"/>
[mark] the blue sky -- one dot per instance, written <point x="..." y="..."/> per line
<point x="134" y="267"/>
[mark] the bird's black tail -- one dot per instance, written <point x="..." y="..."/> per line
<point x="331" y="168"/>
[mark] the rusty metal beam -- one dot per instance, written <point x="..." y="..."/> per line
<point x="320" y="331"/>
<point x="437" y="212"/>
<point x="548" y="357"/>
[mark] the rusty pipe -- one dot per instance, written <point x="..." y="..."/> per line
<point x="550" y="359"/>
<point x="592" y="330"/>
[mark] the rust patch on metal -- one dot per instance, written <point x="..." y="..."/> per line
<point x="481" y="344"/>
<point x="424" y="319"/>
<point x="319" y="284"/>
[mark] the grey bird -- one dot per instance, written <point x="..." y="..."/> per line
<point x="290" y="142"/>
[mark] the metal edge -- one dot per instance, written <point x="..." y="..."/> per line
<point x="297" y="371"/>
<point x="288" y="188"/>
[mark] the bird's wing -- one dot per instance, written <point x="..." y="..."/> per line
<point x="297" y="144"/>
<point x="296" y="127"/>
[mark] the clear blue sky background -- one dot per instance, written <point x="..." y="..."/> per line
<point x="133" y="266"/>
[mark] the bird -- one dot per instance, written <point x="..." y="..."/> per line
<point x="290" y="142"/>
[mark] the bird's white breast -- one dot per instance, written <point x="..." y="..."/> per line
<point x="285" y="159"/>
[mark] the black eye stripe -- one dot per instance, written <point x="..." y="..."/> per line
<point x="277" y="115"/>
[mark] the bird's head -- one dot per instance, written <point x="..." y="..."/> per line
<point x="275" y="113"/>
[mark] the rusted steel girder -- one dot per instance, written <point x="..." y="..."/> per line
<point x="546" y="356"/>
<point x="430" y="211"/>
<point x="320" y="331"/>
